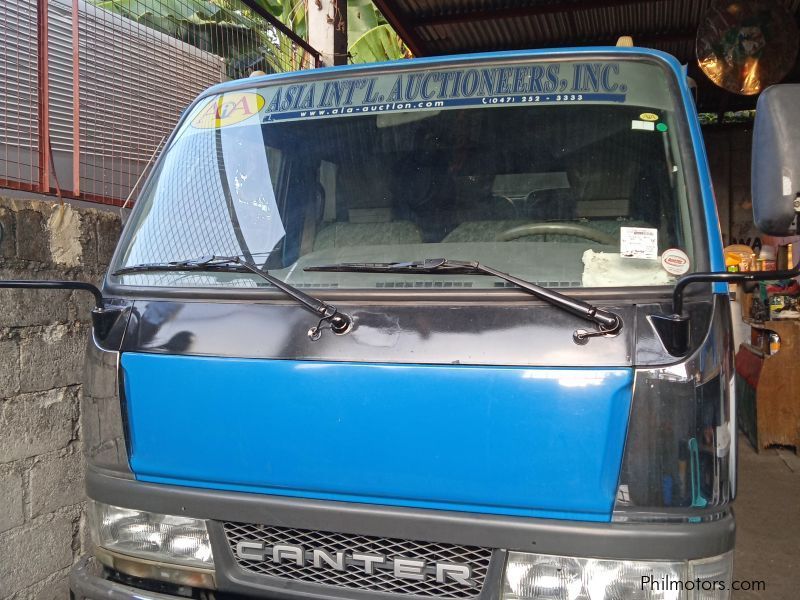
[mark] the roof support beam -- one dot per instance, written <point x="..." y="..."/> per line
<point x="514" y="12"/>
<point x="647" y="40"/>
<point x="401" y="26"/>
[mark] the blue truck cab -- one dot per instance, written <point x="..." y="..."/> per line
<point x="421" y="329"/>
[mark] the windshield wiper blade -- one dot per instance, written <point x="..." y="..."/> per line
<point x="338" y="322"/>
<point x="608" y="323"/>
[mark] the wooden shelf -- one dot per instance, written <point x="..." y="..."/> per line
<point x="769" y="399"/>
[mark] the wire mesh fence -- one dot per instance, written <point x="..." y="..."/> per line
<point x="93" y="87"/>
<point x="19" y="96"/>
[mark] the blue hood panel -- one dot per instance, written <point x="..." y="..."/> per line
<point x="502" y="440"/>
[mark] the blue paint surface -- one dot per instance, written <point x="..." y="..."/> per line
<point x="501" y="440"/>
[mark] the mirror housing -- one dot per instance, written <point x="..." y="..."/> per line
<point x="776" y="160"/>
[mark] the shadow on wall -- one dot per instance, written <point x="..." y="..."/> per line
<point x="42" y="340"/>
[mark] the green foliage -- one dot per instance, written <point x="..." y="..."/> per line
<point x="361" y="17"/>
<point x="291" y="13"/>
<point x="213" y="26"/>
<point x="378" y="44"/>
<point x="369" y="37"/>
<point x="231" y="31"/>
<point x="175" y="9"/>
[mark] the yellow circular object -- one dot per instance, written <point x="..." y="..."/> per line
<point x="228" y="109"/>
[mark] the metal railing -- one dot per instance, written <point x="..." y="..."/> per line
<point x="92" y="87"/>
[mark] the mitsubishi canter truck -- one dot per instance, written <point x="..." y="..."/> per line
<point x="439" y="329"/>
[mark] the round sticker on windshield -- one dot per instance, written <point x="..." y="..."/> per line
<point x="228" y="109"/>
<point x="675" y="261"/>
<point x="648" y="117"/>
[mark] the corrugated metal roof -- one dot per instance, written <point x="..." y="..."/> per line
<point x="434" y="27"/>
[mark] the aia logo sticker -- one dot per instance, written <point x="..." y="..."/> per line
<point x="228" y="109"/>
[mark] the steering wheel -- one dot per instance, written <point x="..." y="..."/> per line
<point x="573" y="229"/>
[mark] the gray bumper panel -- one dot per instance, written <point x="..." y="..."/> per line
<point x="642" y="541"/>
<point x="87" y="583"/>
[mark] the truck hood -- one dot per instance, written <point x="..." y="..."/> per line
<point x="528" y="441"/>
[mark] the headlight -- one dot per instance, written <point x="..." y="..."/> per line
<point x="147" y="545"/>
<point x="545" y="577"/>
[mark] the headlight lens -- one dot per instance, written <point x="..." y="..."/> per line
<point x="161" y="538"/>
<point x="545" y="577"/>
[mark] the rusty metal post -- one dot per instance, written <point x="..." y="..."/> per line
<point x="42" y="36"/>
<point x="76" y="102"/>
<point x="327" y="30"/>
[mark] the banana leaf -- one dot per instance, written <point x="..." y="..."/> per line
<point x="361" y="17"/>
<point x="378" y="44"/>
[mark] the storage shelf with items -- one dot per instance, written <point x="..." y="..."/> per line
<point x="767" y="377"/>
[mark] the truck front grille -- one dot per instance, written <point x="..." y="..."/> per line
<point x="382" y="579"/>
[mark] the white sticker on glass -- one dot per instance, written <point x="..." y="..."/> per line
<point x="787" y="185"/>
<point x="643" y="125"/>
<point x="675" y="261"/>
<point x="638" y="242"/>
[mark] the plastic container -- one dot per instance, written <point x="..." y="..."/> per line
<point x="739" y="256"/>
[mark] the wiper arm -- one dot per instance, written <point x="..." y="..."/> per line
<point x="608" y="323"/>
<point x="338" y="322"/>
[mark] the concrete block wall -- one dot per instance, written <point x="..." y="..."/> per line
<point x="42" y="340"/>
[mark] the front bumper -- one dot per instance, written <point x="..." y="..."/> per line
<point x="616" y="540"/>
<point x="86" y="582"/>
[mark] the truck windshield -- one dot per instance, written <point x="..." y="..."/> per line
<point x="567" y="174"/>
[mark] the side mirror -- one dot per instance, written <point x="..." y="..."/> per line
<point x="776" y="203"/>
<point x="776" y="160"/>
